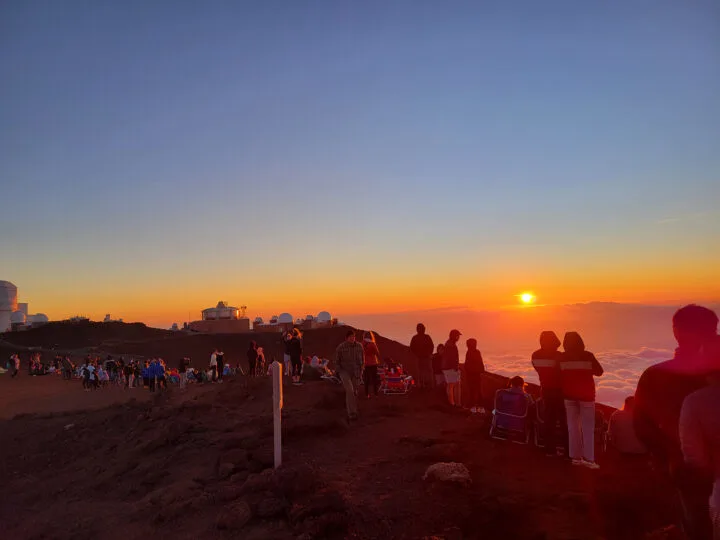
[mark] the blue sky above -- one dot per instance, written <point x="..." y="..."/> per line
<point x="146" y="139"/>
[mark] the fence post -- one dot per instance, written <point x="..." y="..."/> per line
<point x="277" y="373"/>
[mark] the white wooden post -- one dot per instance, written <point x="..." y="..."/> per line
<point x="277" y="373"/>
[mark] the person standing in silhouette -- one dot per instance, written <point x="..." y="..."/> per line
<point x="578" y="367"/>
<point x="349" y="359"/>
<point x="546" y="362"/>
<point x="295" y="351"/>
<point x="252" y="357"/>
<point x="372" y="361"/>
<point x="451" y="369"/>
<point x="422" y="347"/>
<point x="220" y="365"/>
<point x="700" y="436"/>
<point x="474" y="369"/>
<point x="213" y="365"/>
<point x="437" y="367"/>
<point x="286" y="354"/>
<point x="659" y="397"/>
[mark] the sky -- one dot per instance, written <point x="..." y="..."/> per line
<point x="359" y="157"/>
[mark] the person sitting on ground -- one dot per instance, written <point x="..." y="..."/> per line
<point x="700" y="438"/>
<point x="621" y="432"/>
<point x="546" y="361"/>
<point x="474" y="369"/>
<point x="659" y="396"/>
<point x="508" y="401"/>
<point x="308" y="372"/>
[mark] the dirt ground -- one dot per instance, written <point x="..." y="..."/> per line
<point x="49" y="393"/>
<point x="117" y="464"/>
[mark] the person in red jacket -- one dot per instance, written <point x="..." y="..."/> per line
<point x="371" y="355"/>
<point x="546" y="362"/>
<point x="578" y="367"/>
<point x="474" y="369"/>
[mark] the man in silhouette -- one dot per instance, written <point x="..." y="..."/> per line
<point x="422" y="347"/>
<point x="700" y="432"/>
<point x="660" y="393"/>
<point x="546" y="361"/>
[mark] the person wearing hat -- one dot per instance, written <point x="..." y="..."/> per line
<point x="451" y="369"/>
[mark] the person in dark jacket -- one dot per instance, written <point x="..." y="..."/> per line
<point x="546" y="362"/>
<point x="252" y="356"/>
<point x="578" y="367"/>
<point x="220" y="365"/>
<point x="474" y="369"/>
<point x="295" y="351"/>
<point x="451" y="369"/>
<point x="422" y="347"/>
<point x="437" y="367"/>
<point x="659" y="397"/>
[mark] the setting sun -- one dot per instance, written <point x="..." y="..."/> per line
<point x="527" y="298"/>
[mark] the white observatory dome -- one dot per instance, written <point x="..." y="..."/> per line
<point x="309" y="318"/>
<point x="324" y="317"/>
<point x="285" y="318"/>
<point x="38" y="318"/>
<point x="18" y="317"/>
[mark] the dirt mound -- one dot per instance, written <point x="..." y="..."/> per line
<point x="199" y="465"/>
<point x="83" y="334"/>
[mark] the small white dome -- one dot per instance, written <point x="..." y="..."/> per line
<point x="285" y="318"/>
<point x="309" y="318"/>
<point x="18" y="317"/>
<point x="258" y="320"/>
<point x="37" y="318"/>
<point x="324" y="317"/>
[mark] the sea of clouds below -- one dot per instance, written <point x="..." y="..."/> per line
<point x="622" y="370"/>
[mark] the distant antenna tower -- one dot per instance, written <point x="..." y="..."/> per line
<point x="243" y="309"/>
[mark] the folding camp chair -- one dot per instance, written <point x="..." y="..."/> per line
<point x="510" y="417"/>
<point x="394" y="383"/>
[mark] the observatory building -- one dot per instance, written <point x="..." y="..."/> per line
<point x="284" y="322"/>
<point x="222" y="319"/>
<point x="14" y="315"/>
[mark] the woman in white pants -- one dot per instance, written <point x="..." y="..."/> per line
<point x="578" y="367"/>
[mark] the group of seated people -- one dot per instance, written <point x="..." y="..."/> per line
<point x="517" y="412"/>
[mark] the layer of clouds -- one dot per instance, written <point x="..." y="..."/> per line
<point x="622" y="370"/>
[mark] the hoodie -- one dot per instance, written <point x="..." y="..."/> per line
<point x="546" y="362"/>
<point x="578" y="367"/>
